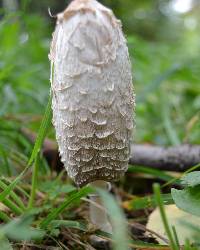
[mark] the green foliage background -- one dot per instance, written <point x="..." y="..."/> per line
<point x="164" y="49"/>
<point x="164" y="53"/>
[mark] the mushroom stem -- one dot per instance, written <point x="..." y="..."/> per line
<point x="98" y="214"/>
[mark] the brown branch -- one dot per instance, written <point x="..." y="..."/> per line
<point x="178" y="158"/>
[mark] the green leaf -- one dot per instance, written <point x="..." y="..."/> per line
<point x="167" y="121"/>
<point x="191" y="179"/>
<point x="4" y="217"/>
<point x="69" y="224"/>
<point x="5" y="244"/>
<point x="177" y="179"/>
<point x="159" y="201"/>
<point x="73" y="198"/>
<point x="37" y="147"/>
<point x="12" y="206"/>
<point x="54" y="188"/>
<point x="20" y="229"/>
<point x="149" y="201"/>
<point x="5" y="159"/>
<point x="154" y="172"/>
<point x="46" y="121"/>
<point x="118" y="220"/>
<point x="188" y="199"/>
<point x="12" y="185"/>
<point x="152" y="86"/>
<point x="15" y="197"/>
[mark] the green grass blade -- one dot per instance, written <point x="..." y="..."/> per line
<point x="175" y="236"/>
<point x="4" y="217"/>
<point x="118" y="220"/>
<point x="17" y="187"/>
<point x="69" y="224"/>
<point x="174" y="180"/>
<point x="5" y="244"/>
<point x="149" y="201"/>
<point x="15" y="197"/>
<point x="12" y="185"/>
<point x="46" y="121"/>
<point x="73" y="198"/>
<point x="156" y="188"/>
<point x="34" y="182"/>
<point x="154" y="172"/>
<point x="4" y="156"/>
<point x="21" y="229"/>
<point x="167" y="122"/>
<point x="12" y="206"/>
<point x="152" y="86"/>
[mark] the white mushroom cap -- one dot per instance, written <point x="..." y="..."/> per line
<point x="92" y="91"/>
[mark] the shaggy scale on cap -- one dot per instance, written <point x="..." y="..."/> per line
<point x="93" y="99"/>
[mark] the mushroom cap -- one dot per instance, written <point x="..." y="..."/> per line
<point x="92" y="92"/>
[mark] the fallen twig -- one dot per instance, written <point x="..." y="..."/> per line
<point x="178" y="158"/>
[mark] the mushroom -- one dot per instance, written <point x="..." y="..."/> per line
<point x="92" y="97"/>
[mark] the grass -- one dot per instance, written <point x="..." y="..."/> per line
<point x="170" y="235"/>
<point x="38" y="203"/>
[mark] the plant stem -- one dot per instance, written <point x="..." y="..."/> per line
<point x="34" y="182"/>
<point x="175" y="235"/>
<point x="156" y="188"/>
<point x="98" y="214"/>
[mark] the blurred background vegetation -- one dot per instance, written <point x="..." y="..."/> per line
<point x="164" y="44"/>
<point x="163" y="37"/>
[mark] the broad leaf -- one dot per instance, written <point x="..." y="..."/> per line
<point x="20" y="229"/>
<point x="5" y="244"/>
<point x="192" y="179"/>
<point x="188" y="199"/>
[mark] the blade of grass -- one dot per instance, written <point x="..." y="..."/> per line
<point x="152" y="86"/>
<point x="12" y="206"/>
<point x="7" y="165"/>
<point x="12" y="185"/>
<point x="154" y="172"/>
<point x="73" y="198"/>
<point x="21" y="229"/>
<point x="148" y="201"/>
<point x="38" y="144"/>
<point x="46" y="121"/>
<point x="186" y="172"/>
<point x="17" y="187"/>
<point x="34" y="182"/>
<point x="4" y="217"/>
<point x="157" y="193"/>
<point x="175" y="235"/>
<point x="69" y="224"/>
<point x="5" y="244"/>
<point x="118" y="220"/>
<point x="188" y="246"/>
<point x="16" y="198"/>
<point x="170" y="130"/>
